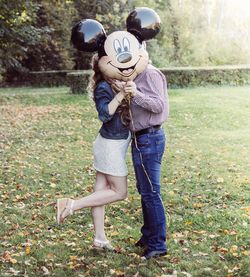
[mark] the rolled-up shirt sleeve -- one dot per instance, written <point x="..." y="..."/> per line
<point x="102" y="99"/>
<point x="154" y="99"/>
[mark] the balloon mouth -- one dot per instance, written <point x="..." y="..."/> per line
<point x="128" y="71"/>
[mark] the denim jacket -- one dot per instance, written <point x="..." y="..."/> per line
<point x="112" y="127"/>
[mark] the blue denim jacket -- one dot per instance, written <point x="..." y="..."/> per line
<point x="112" y="127"/>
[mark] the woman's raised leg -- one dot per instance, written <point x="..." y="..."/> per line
<point x="117" y="191"/>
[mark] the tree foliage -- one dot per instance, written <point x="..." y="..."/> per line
<point x="17" y="32"/>
<point x="35" y="34"/>
<point x="53" y="52"/>
<point x="199" y="33"/>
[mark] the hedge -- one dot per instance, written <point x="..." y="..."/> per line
<point x="78" y="81"/>
<point x="181" y="77"/>
<point x="178" y="77"/>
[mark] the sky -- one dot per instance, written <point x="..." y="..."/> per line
<point x="241" y="8"/>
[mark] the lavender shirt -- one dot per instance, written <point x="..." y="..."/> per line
<point x="150" y="105"/>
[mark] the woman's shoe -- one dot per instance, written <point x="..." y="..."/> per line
<point x="102" y="245"/>
<point x="64" y="209"/>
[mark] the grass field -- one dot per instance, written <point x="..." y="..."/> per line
<point x="46" y="140"/>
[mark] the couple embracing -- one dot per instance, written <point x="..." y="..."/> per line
<point x="131" y="100"/>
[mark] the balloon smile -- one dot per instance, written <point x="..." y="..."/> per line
<point x="128" y="71"/>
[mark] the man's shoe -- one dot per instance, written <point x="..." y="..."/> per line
<point x="153" y="254"/>
<point x="141" y="244"/>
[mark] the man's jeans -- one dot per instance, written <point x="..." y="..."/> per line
<point x="151" y="148"/>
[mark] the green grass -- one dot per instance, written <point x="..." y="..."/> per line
<point x="46" y="140"/>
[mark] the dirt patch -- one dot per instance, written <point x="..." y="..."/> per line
<point x="16" y="114"/>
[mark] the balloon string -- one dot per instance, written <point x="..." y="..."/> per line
<point x="136" y="143"/>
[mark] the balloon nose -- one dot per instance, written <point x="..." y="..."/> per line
<point x="124" y="58"/>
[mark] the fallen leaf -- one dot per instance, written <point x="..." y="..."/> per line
<point x="27" y="250"/>
<point x="198" y="205"/>
<point x="45" y="270"/>
<point x="220" y="180"/>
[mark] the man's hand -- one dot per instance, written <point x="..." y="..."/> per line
<point x="130" y="89"/>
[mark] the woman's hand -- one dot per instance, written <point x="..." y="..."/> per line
<point x="117" y="85"/>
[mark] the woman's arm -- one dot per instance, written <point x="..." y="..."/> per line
<point x="115" y="103"/>
<point x="106" y="103"/>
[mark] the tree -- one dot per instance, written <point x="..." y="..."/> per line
<point x="54" y="50"/>
<point x="17" y="33"/>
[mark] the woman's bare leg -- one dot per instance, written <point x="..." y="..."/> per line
<point x="108" y="189"/>
<point x="116" y="192"/>
<point x="98" y="213"/>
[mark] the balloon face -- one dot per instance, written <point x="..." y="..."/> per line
<point x="125" y="56"/>
<point x="144" y="23"/>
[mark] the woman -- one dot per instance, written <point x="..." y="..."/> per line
<point x="109" y="149"/>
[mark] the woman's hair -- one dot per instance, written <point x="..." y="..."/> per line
<point x="95" y="79"/>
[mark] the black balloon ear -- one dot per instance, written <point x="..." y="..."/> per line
<point x="144" y="23"/>
<point x="88" y="35"/>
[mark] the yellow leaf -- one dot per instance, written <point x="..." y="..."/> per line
<point x="234" y="248"/>
<point x="13" y="261"/>
<point x="115" y="233"/>
<point x="198" y="205"/>
<point x="246" y="253"/>
<point x="134" y="255"/>
<point x="52" y="185"/>
<point x="72" y="258"/>
<point x="247" y="209"/>
<point x="27" y="250"/>
<point x="119" y="273"/>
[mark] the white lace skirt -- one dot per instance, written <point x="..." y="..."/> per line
<point x="110" y="155"/>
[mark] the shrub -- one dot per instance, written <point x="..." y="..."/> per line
<point x="201" y="76"/>
<point x="78" y="81"/>
<point x="48" y="78"/>
<point x="177" y="77"/>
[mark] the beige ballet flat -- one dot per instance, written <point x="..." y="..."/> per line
<point x="64" y="209"/>
<point x="102" y="245"/>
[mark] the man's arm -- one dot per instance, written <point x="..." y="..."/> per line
<point x="153" y="98"/>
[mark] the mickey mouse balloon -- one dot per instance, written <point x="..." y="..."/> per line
<point x="125" y="56"/>
<point x="122" y="54"/>
<point x="87" y="35"/>
<point x="144" y="23"/>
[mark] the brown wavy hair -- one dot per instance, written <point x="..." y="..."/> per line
<point x="95" y="79"/>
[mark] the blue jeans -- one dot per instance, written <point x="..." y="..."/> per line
<point x="151" y="148"/>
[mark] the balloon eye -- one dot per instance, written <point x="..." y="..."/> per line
<point x="126" y="44"/>
<point x="117" y="46"/>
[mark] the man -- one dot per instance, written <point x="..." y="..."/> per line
<point x="150" y="108"/>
